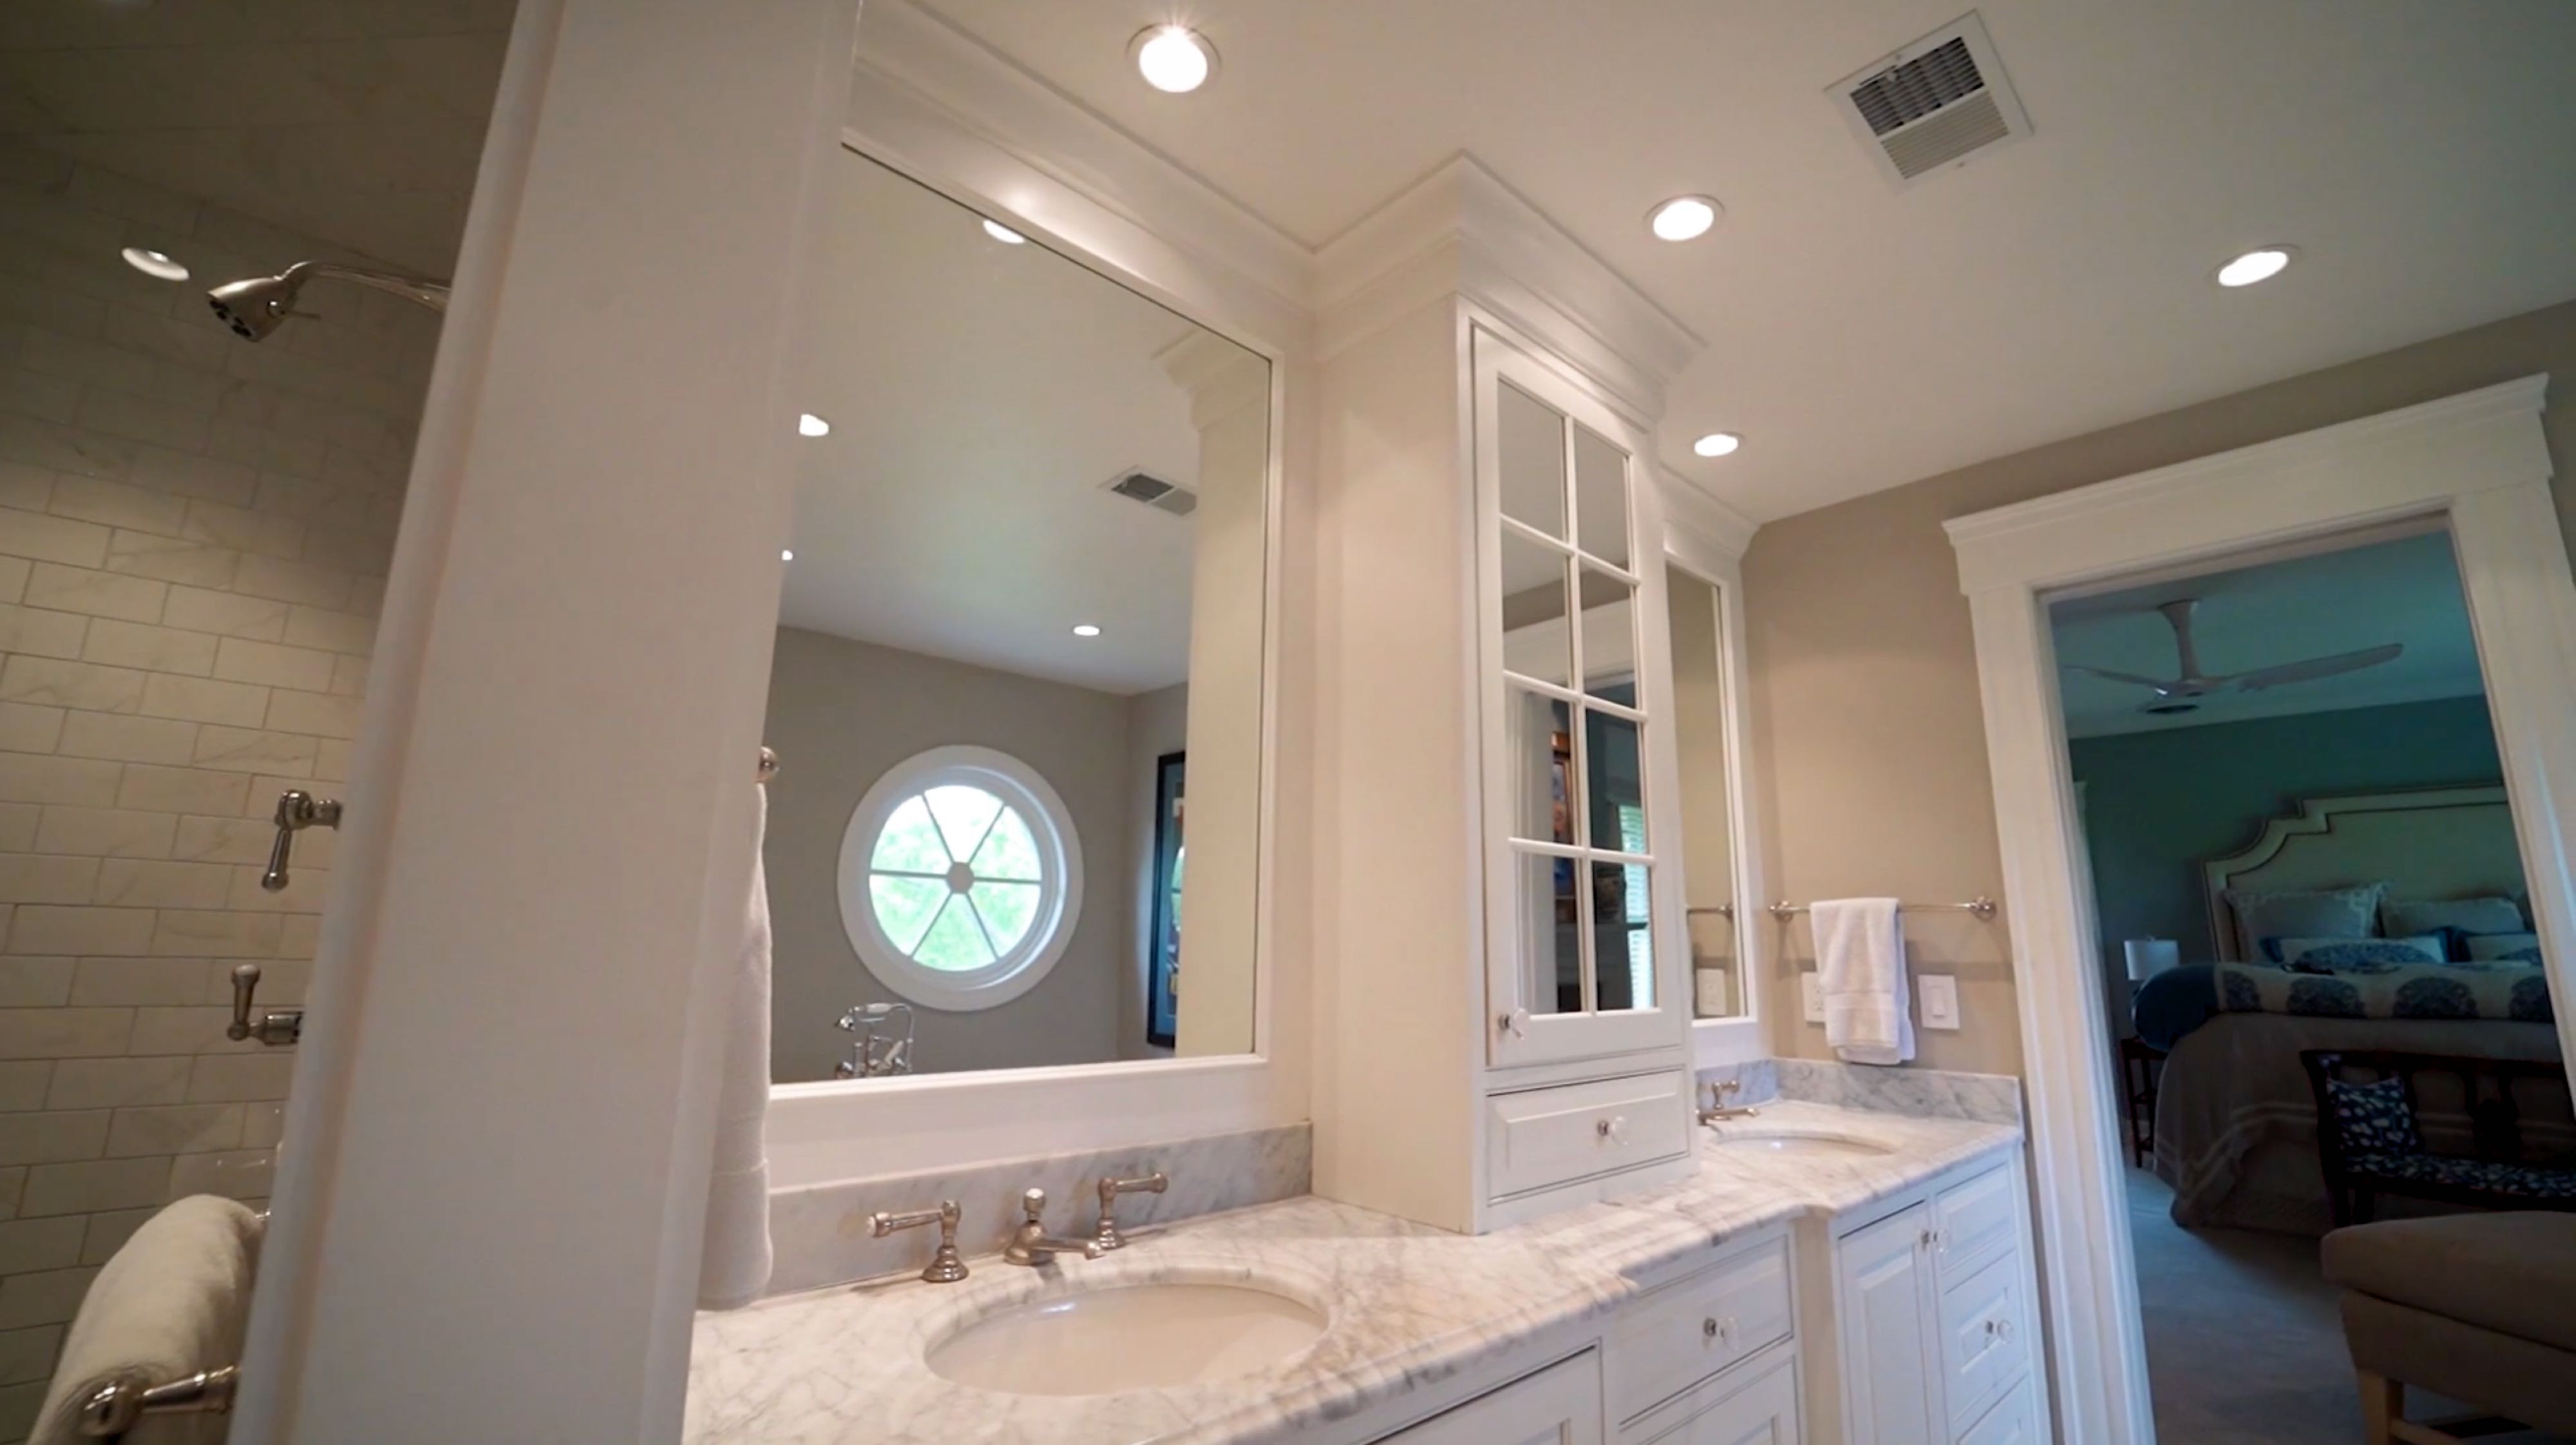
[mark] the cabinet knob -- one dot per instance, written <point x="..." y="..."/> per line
<point x="1516" y="1023"/>
<point x="1612" y="1130"/>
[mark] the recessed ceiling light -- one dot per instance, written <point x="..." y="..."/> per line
<point x="154" y="264"/>
<point x="1004" y="234"/>
<point x="2260" y="264"/>
<point x="1684" y="218"/>
<point x="1173" y="58"/>
<point x="786" y="555"/>
<point x="1717" y="444"/>
<point x="810" y="425"/>
<point x="1085" y="629"/>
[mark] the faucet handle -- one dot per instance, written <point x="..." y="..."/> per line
<point x="944" y="1267"/>
<point x="1108" y="1236"/>
<point x="1033" y="1205"/>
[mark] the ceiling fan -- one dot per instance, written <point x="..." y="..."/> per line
<point x="2183" y="693"/>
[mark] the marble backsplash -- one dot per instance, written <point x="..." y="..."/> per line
<point x="820" y="1232"/>
<point x="1917" y="1093"/>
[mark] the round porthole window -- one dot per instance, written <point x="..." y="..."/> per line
<point x="961" y="877"/>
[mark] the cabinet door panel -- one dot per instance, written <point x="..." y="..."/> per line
<point x="1977" y="1219"/>
<point x="1883" y="1289"/>
<point x="1560" y="1405"/>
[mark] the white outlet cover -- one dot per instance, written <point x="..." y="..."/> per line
<point x="1811" y="993"/>
<point x="1940" y="994"/>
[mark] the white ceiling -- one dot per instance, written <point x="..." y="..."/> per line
<point x="980" y="395"/>
<point x="1862" y="337"/>
<point x="358" y="121"/>
<point x="2405" y="591"/>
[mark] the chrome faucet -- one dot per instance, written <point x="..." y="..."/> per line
<point x="1031" y="1244"/>
<point x="944" y="1267"/>
<point x="1718" y="1108"/>
<point x="1107" y="1236"/>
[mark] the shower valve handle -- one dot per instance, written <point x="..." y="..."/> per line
<point x="276" y="1028"/>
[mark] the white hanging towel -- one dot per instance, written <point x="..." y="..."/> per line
<point x="1860" y="966"/>
<point x="172" y="1301"/>
<point x="735" y="1266"/>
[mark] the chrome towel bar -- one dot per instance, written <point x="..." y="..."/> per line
<point x="1981" y="906"/>
<point x="120" y="1404"/>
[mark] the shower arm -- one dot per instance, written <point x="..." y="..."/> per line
<point x="426" y="293"/>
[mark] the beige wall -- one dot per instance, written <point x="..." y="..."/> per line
<point x="194" y="533"/>
<point x="1869" y="744"/>
<point x="840" y="714"/>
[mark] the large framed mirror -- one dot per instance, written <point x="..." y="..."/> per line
<point x="1017" y="692"/>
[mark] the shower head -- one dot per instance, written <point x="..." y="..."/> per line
<point x="257" y="305"/>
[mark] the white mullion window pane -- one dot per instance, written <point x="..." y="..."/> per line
<point x="1537" y="638"/>
<point x="1600" y="471"/>
<point x="1540" y="773"/>
<point x="1547" y="924"/>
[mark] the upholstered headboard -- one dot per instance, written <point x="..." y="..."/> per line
<point x="2428" y="843"/>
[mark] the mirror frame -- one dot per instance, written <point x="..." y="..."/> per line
<point x="834" y="1130"/>
<point x="1704" y="542"/>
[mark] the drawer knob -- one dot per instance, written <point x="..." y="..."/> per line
<point x="1613" y="1129"/>
<point x="1516" y="1023"/>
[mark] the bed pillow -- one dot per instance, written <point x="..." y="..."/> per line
<point x="2504" y="948"/>
<point x="2331" y="913"/>
<point x="2356" y="955"/>
<point x="2374" y="1118"/>
<point x="2405" y="918"/>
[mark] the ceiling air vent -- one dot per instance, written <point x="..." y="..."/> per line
<point x="1154" y="492"/>
<point x="1934" y="103"/>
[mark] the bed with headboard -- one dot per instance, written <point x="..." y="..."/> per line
<point x="2390" y="921"/>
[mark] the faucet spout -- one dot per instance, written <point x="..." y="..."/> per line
<point x="1032" y="1245"/>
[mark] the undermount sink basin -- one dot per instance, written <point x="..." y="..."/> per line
<point x="1127" y="1337"/>
<point x="1788" y="1143"/>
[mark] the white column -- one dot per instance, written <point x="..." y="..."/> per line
<point x="488" y="1210"/>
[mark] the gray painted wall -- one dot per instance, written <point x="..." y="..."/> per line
<point x="840" y="714"/>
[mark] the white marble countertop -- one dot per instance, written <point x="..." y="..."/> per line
<point x="1408" y="1303"/>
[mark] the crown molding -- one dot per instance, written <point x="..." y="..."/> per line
<point x="932" y="100"/>
<point x="1709" y="524"/>
<point x="1460" y="229"/>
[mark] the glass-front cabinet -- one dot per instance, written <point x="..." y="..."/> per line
<point x="1585" y="954"/>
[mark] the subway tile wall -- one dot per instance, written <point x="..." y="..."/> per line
<point x="194" y="532"/>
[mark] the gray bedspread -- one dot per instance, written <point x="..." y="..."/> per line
<point x="2236" y="1125"/>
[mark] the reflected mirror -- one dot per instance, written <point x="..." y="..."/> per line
<point x="1697" y="610"/>
<point x="1016" y="693"/>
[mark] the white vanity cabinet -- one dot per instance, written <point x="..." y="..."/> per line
<point x="1935" y="1309"/>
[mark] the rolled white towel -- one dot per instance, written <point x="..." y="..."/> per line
<point x="172" y="1302"/>
<point x="734" y="1264"/>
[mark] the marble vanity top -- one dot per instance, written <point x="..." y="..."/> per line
<point x="1409" y="1303"/>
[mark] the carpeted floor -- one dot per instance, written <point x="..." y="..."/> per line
<point x="2243" y="1343"/>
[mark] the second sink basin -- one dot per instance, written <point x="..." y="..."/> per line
<point x="1789" y="1142"/>
<point x="1118" y="1338"/>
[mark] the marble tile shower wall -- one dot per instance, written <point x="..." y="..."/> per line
<point x="194" y="533"/>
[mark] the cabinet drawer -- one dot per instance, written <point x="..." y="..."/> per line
<point x="1763" y="1411"/>
<point x="1985" y="1341"/>
<point x="1976" y="1218"/>
<point x="1560" y="1405"/>
<point x="1691" y="1329"/>
<point x="2013" y="1421"/>
<point x="1545" y="1137"/>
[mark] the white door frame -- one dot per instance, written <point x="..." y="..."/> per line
<point x="2481" y="462"/>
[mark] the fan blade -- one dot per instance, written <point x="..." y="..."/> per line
<point x="2160" y="684"/>
<point x="2317" y="667"/>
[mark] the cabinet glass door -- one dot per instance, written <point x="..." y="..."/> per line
<point x="1576" y="697"/>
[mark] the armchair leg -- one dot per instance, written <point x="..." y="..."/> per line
<point x="2383" y="1404"/>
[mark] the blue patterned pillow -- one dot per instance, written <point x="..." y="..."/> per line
<point x="2374" y="1118"/>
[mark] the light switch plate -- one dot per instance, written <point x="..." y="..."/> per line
<point x="1811" y="992"/>
<point x="1940" y="994"/>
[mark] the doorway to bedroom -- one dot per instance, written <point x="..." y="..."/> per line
<point x="2302" y="868"/>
